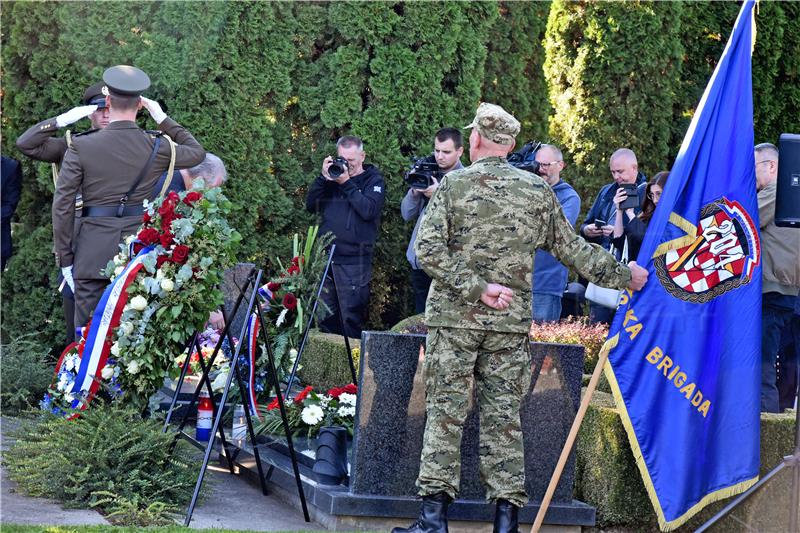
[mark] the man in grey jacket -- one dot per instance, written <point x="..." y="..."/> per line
<point x="780" y="272"/>
<point x="448" y="146"/>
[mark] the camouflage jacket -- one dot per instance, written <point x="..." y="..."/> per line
<point x="482" y="226"/>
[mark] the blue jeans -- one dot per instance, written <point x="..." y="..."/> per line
<point x="546" y="307"/>
<point x="776" y="311"/>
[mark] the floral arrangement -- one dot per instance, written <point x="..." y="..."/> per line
<point x="288" y="297"/>
<point x="169" y="299"/>
<point x="573" y="330"/>
<point x="309" y="411"/>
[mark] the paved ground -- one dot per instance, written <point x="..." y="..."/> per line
<point x="232" y="504"/>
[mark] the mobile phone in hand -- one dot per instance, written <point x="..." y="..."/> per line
<point x="599" y="223"/>
<point x="632" y="201"/>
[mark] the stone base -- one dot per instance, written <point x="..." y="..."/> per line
<point x="338" y="509"/>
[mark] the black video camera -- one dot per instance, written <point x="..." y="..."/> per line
<point x="422" y="172"/>
<point x="525" y="158"/>
<point x="338" y="167"/>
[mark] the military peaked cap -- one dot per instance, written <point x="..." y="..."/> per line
<point x="126" y="80"/>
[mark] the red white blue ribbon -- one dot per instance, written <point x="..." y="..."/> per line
<point x="252" y="349"/>
<point x="96" y="344"/>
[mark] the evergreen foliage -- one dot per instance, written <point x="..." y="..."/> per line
<point x="270" y="86"/>
<point x="25" y="375"/>
<point x="109" y="458"/>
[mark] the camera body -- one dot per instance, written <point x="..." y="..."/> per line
<point x="632" y="201"/>
<point x="525" y="158"/>
<point x="338" y="167"/>
<point x="422" y="171"/>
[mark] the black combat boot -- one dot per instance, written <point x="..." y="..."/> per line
<point x="506" y="517"/>
<point x="432" y="516"/>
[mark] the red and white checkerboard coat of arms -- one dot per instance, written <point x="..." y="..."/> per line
<point x="725" y="251"/>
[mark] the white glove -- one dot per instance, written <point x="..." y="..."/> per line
<point x="154" y="109"/>
<point x="67" y="273"/>
<point x="74" y="115"/>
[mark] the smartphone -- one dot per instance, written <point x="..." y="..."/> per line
<point x="632" y="201"/>
<point x="599" y="223"/>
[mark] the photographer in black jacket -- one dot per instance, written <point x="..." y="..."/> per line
<point x="349" y="197"/>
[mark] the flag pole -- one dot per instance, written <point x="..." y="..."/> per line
<point x="573" y="434"/>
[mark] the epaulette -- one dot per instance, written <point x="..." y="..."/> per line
<point x="87" y="132"/>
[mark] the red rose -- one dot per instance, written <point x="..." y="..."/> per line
<point x="294" y="269"/>
<point x="160" y="260"/>
<point x="335" y="392"/>
<point x="137" y="247"/>
<point x="192" y="197"/>
<point x="350" y="388"/>
<point x="180" y="254"/>
<point x="295" y="260"/>
<point x="273" y="405"/>
<point x="172" y="197"/>
<point x="166" y="209"/>
<point x="303" y="394"/>
<point x="272" y="286"/>
<point x="148" y="236"/>
<point x="289" y="301"/>
<point x="146" y="218"/>
<point x="166" y="239"/>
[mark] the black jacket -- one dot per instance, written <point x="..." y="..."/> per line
<point x="352" y="212"/>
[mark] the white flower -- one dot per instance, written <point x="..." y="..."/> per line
<point x="139" y="303"/>
<point x="107" y="372"/>
<point x="312" y="415"/>
<point x="118" y="270"/>
<point x="133" y="367"/>
<point x="69" y="364"/>
<point x="126" y="328"/>
<point x="159" y="274"/>
<point x="346" y="398"/>
<point x="281" y="317"/>
<point x="347" y="411"/>
<point x="115" y="349"/>
<point x="292" y="355"/>
<point x="324" y="400"/>
<point x="167" y="284"/>
<point x="63" y="381"/>
<point x="129" y="239"/>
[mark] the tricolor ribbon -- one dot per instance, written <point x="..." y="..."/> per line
<point x="252" y="349"/>
<point x="95" y="345"/>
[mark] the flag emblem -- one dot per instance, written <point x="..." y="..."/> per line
<point x="725" y="250"/>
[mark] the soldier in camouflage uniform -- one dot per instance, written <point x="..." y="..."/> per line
<point x="477" y="241"/>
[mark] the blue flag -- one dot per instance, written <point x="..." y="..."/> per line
<point x="684" y="353"/>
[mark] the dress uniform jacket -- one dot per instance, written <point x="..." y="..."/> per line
<point x="105" y="165"/>
<point x="40" y="143"/>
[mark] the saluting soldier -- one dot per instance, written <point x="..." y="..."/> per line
<point x="116" y="168"/>
<point x="39" y="142"/>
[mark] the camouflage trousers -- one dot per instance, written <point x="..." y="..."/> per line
<point x="498" y="364"/>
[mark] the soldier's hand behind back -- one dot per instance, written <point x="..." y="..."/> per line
<point x="497" y="296"/>
<point x="638" y="276"/>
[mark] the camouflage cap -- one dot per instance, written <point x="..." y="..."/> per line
<point x="495" y="123"/>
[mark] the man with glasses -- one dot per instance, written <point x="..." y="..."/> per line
<point x="780" y="272"/>
<point x="550" y="276"/>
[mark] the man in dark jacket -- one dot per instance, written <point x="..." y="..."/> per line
<point x="12" y="188"/>
<point x="599" y="223"/>
<point x="350" y="204"/>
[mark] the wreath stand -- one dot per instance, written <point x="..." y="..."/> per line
<point x="254" y="306"/>
<point x="311" y="316"/>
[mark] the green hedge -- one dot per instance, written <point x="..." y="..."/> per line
<point x="324" y="362"/>
<point x="607" y="477"/>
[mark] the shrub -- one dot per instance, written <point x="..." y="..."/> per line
<point x="324" y="361"/>
<point x="573" y="330"/>
<point x="25" y="375"/>
<point x="109" y="458"/>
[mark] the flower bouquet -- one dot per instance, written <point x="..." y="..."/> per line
<point x="309" y="411"/>
<point x="180" y="254"/>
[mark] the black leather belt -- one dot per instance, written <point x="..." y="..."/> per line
<point x="99" y="211"/>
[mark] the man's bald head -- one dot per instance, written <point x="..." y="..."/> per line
<point x="211" y="170"/>
<point x="624" y="167"/>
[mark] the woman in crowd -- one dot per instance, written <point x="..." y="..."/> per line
<point x="634" y="228"/>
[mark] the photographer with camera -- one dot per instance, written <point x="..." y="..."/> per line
<point x="599" y="223"/>
<point x="423" y="180"/>
<point x="349" y="197"/>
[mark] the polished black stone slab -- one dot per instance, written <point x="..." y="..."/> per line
<point x="233" y="279"/>
<point x="391" y="419"/>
